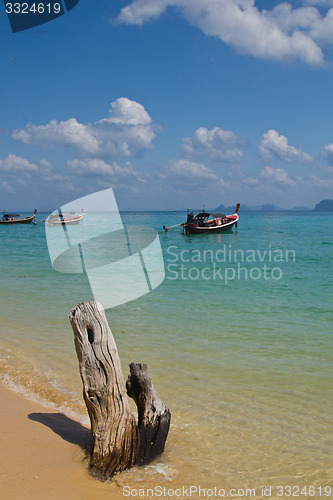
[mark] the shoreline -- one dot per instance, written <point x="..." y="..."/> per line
<point x="43" y="454"/>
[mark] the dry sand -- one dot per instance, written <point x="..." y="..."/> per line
<point x="42" y="454"/>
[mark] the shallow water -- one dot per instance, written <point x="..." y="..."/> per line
<point x="238" y="341"/>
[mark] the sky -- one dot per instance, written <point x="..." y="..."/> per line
<point x="174" y="104"/>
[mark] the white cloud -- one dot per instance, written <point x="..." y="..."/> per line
<point x="59" y="182"/>
<point x="327" y="152"/>
<point x="45" y="164"/>
<point x="126" y="112"/>
<point x="250" y="181"/>
<point x="276" y="175"/>
<point x="7" y="187"/>
<point x="141" y="11"/>
<point x="66" y="133"/>
<point x="282" y="33"/>
<point x="185" y="175"/>
<point x="128" y="130"/>
<point x="96" y="166"/>
<point x="322" y="29"/>
<point x="289" y="19"/>
<point x="52" y="177"/>
<point x="309" y="19"/>
<point x="189" y="170"/>
<point x="216" y="145"/>
<point x="272" y="143"/>
<point x="13" y="163"/>
<point x="326" y="184"/>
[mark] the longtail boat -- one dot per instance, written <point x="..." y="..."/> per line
<point x="208" y="222"/>
<point x="17" y="219"/>
<point x="64" y="218"/>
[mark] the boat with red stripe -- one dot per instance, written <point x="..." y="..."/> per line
<point x="208" y="222"/>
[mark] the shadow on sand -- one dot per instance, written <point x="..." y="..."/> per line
<point x="66" y="428"/>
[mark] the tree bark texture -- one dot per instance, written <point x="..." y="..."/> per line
<point x="118" y="441"/>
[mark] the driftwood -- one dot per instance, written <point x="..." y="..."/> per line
<point x="119" y="442"/>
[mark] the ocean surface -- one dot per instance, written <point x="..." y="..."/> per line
<point x="238" y="340"/>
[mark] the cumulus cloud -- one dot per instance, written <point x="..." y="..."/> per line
<point x="250" y="181"/>
<point x="45" y="164"/>
<point x="326" y="184"/>
<point x="216" y="145"/>
<point x="327" y="152"/>
<point x="276" y="175"/>
<point x="317" y="27"/>
<point x="127" y="131"/>
<point x="274" y="144"/>
<point x="65" y="133"/>
<point x="59" y="182"/>
<point x="141" y="11"/>
<point x="13" y="163"/>
<point x="126" y="112"/>
<point x="188" y="173"/>
<point x="184" y="175"/>
<point x="185" y="169"/>
<point x="283" y="33"/>
<point x="96" y="166"/>
<point x="7" y="187"/>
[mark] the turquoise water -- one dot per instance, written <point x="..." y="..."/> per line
<point x="238" y="340"/>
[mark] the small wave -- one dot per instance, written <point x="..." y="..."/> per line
<point x="166" y="471"/>
<point x="24" y="378"/>
<point x="149" y="474"/>
<point x="181" y="427"/>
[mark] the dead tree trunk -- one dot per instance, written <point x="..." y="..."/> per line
<point x="153" y="416"/>
<point x="118" y="441"/>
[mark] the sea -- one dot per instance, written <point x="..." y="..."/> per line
<point x="238" y="340"/>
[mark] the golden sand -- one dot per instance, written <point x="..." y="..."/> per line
<point x="42" y="454"/>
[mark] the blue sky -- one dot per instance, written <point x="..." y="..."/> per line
<point x="172" y="103"/>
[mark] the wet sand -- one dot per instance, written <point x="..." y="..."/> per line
<point x="42" y="454"/>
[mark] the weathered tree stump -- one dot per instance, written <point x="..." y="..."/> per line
<point x="153" y="416"/>
<point x="118" y="440"/>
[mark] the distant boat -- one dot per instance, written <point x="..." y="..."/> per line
<point x="208" y="222"/>
<point x="65" y="218"/>
<point x="17" y="219"/>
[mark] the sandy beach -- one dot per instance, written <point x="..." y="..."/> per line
<point x="42" y="454"/>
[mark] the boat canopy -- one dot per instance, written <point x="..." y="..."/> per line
<point x="11" y="215"/>
<point x="203" y="215"/>
<point x="218" y="215"/>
